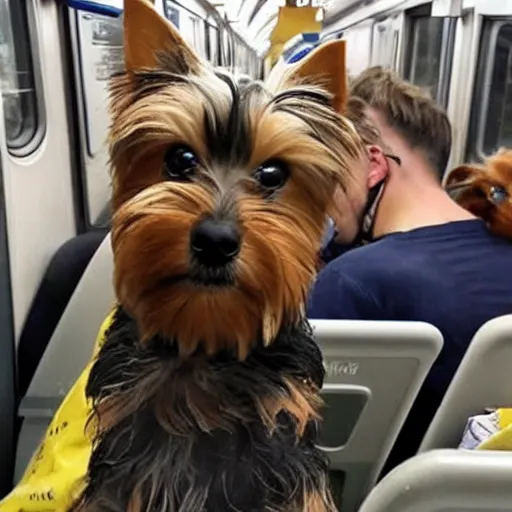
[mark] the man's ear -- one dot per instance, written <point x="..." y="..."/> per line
<point x="151" y="41"/>
<point x="325" y="66"/>
<point x="378" y="166"/>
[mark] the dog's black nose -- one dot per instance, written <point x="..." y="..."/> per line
<point x="214" y="243"/>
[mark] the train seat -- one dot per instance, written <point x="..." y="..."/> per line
<point x="446" y="481"/>
<point x="67" y="352"/>
<point x="483" y="380"/>
<point x="59" y="282"/>
<point x="374" y="372"/>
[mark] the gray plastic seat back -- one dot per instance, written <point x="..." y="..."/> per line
<point x="483" y="379"/>
<point x="446" y="481"/>
<point x="68" y="352"/>
<point x="374" y="372"/>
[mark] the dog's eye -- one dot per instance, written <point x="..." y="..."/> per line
<point x="180" y="162"/>
<point x="498" y="194"/>
<point x="272" y="175"/>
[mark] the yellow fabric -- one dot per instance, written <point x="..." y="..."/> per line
<point x="54" y="475"/>
<point x="501" y="440"/>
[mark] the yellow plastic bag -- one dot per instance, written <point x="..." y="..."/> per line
<point x="501" y="440"/>
<point x="54" y="476"/>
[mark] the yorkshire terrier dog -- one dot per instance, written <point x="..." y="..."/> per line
<point x="485" y="190"/>
<point x="205" y="393"/>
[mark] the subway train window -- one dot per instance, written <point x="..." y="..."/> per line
<point x="498" y="124"/>
<point x="491" y="114"/>
<point x="425" y="55"/>
<point x="172" y="13"/>
<point x="430" y="56"/>
<point x="17" y="80"/>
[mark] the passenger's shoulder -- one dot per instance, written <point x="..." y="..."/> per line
<point x="370" y="260"/>
<point x="345" y="290"/>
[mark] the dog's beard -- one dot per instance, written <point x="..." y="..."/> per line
<point x="229" y="306"/>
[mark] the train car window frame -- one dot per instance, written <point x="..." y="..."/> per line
<point x="22" y="30"/>
<point x="444" y="51"/>
<point x="477" y="147"/>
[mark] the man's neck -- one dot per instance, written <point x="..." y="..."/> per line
<point x="412" y="207"/>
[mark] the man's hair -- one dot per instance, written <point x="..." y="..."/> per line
<point x="409" y="110"/>
<point x="355" y="111"/>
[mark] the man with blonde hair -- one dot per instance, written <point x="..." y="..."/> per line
<point x="428" y="259"/>
<point x="356" y="202"/>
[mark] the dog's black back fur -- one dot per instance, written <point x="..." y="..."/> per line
<point x="240" y="468"/>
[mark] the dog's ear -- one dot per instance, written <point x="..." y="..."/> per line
<point x="324" y="65"/>
<point x="462" y="174"/>
<point x="327" y="65"/>
<point x="151" y="41"/>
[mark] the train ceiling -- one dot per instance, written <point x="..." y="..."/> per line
<point x="256" y="20"/>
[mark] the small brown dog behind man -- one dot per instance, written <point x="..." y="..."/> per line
<point x="205" y="393"/>
<point x="486" y="191"/>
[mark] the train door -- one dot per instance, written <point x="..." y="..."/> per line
<point x="36" y="194"/>
<point x="37" y="186"/>
<point x="491" y="112"/>
<point x="97" y="50"/>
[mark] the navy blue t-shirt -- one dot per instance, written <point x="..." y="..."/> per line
<point x="456" y="276"/>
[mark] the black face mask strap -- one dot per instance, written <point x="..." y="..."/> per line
<point x="365" y="233"/>
<point x="374" y="197"/>
<point x="368" y="220"/>
<point x="396" y="159"/>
